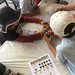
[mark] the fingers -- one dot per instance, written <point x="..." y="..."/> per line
<point x="44" y="30"/>
<point x="49" y="34"/>
<point x="73" y="15"/>
<point x="59" y="9"/>
<point x="48" y="40"/>
<point x="43" y="22"/>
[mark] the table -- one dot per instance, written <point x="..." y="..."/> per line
<point x="16" y="55"/>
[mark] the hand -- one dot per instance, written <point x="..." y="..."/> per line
<point x="60" y="9"/>
<point x="49" y="35"/>
<point x="48" y="40"/>
<point x="44" y="30"/>
<point x="73" y="15"/>
<point x="45" y="24"/>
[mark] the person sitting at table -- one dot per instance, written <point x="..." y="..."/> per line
<point x="10" y="26"/>
<point x="62" y="24"/>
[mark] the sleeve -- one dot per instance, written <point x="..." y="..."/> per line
<point x="60" y="54"/>
<point x="34" y="37"/>
<point x="32" y="19"/>
<point x="30" y="38"/>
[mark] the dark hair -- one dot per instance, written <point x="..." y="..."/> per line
<point x="17" y="25"/>
<point x="68" y="30"/>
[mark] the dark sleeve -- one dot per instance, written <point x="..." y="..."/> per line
<point x="11" y="35"/>
<point x="30" y="38"/>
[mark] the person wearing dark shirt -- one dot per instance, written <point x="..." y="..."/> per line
<point x="10" y="27"/>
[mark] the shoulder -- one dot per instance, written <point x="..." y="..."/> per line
<point x="66" y="45"/>
<point x="63" y="45"/>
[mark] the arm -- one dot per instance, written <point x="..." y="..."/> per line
<point x="66" y="8"/>
<point x="37" y="35"/>
<point x="50" y="33"/>
<point x="32" y="38"/>
<point x="50" y="45"/>
<point x="49" y="41"/>
<point x="74" y="15"/>
<point x="32" y="19"/>
<point x="58" y="37"/>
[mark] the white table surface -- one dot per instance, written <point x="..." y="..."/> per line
<point x="16" y="55"/>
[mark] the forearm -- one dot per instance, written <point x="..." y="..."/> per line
<point x="58" y="37"/>
<point x="74" y="15"/>
<point x="30" y="38"/>
<point x="50" y="45"/>
<point x="52" y="49"/>
<point x="68" y="7"/>
<point x="32" y="19"/>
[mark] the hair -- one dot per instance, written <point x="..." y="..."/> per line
<point x="16" y="25"/>
<point x="68" y="30"/>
